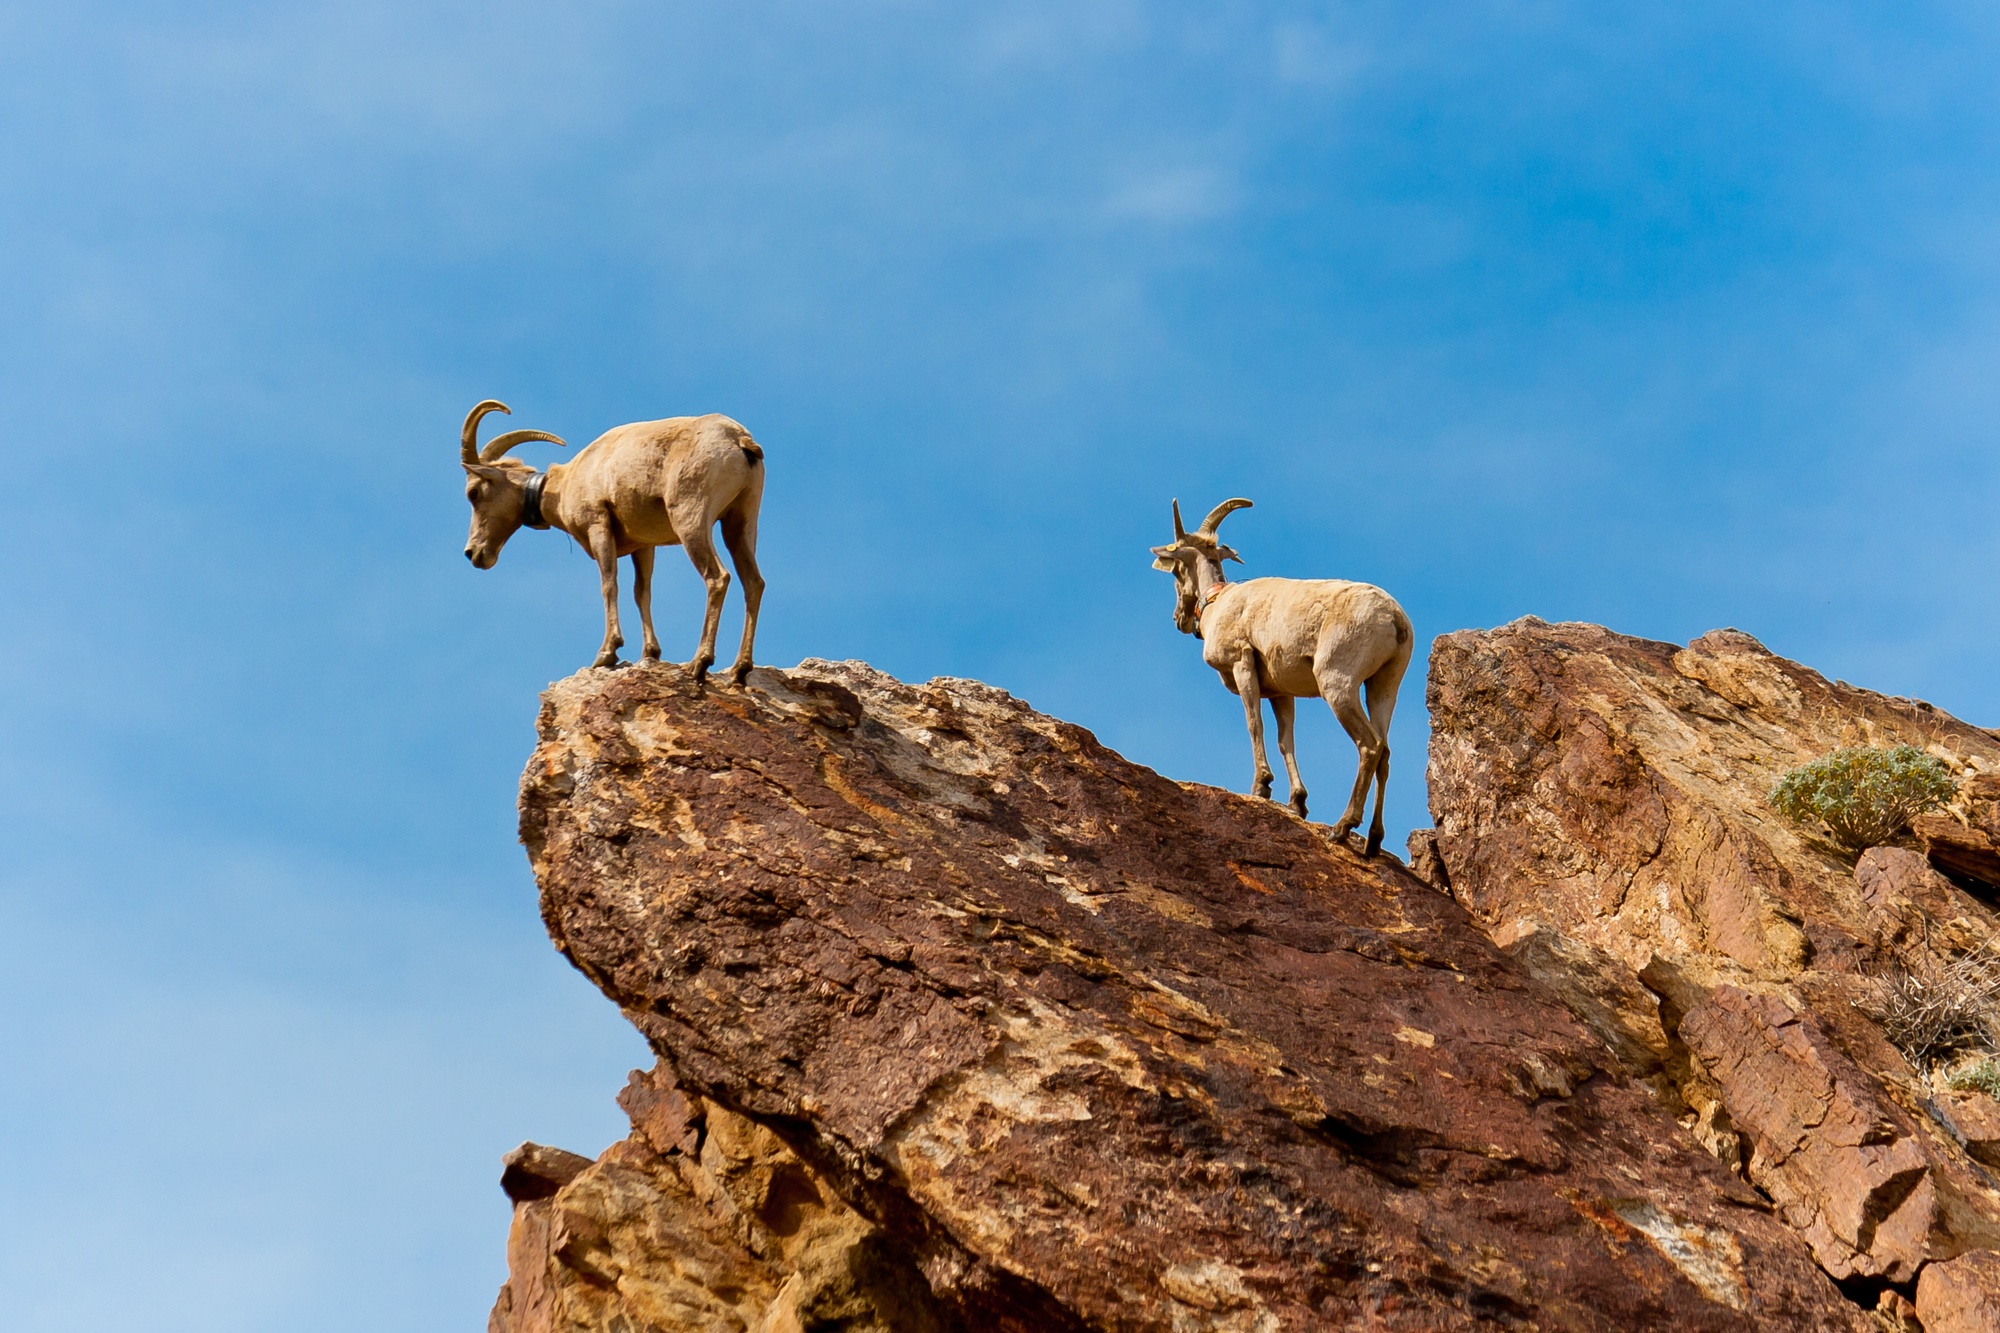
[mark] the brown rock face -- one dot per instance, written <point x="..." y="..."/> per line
<point x="1613" y="792"/>
<point x="1974" y="1120"/>
<point x="1961" y="1295"/>
<point x="967" y="1023"/>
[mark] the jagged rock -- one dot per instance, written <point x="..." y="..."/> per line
<point x="1844" y="1165"/>
<point x="1616" y="790"/>
<point x="1609" y="1000"/>
<point x="721" y="1230"/>
<point x="1965" y="841"/>
<point x="1973" y="1118"/>
<point x="1077" y="1046"/>
<point x="1913" y="907"/>
<point x="1424" y="861"/>
<point x="533" y="1171"/>
<point x="1895" y="1312"/>
<point x="1959" y="849"/>
<point x="1961" y="1295"/>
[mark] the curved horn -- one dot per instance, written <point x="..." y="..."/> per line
<point x="468" y="439"/>
<point x="500" y="444"/>
<point x="1220" y="512"/>
<point x="1180" y="533"/>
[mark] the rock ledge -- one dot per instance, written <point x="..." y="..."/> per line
<point x="965" y="1022"/>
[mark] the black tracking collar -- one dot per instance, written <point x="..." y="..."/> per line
<point x="531" y="503"/>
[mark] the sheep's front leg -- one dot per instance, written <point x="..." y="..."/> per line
<point x="1283" y="707"/>
<point x="642" y="594"/>
<point x="605" y="547"/>
<point x="1245" y="676"/>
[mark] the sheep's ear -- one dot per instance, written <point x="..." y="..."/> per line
<point x="1228" y="553"/>
<point x="1161" y="562"/>
<point x="482" y="470"/>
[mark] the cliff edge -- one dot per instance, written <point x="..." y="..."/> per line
<point x="964" y="1022"/>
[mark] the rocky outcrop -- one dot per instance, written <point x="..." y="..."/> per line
<point x="965" y="1022"/>
<point x="1610" y="794"/>
<point x="1961" y="1295"/>
<point x="1967" y="844"/>
<point x="704" y="1222"/>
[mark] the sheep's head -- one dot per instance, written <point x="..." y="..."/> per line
<point x="495" y="485"/>
<point x="1186" y="557"/>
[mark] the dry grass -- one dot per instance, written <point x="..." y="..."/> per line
<point x="1933" y="1011"/>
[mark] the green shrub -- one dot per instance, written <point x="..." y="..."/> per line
<point x="1863" y="796"/>
<point x="1983" y="1076"/>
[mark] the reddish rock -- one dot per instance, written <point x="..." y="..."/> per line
<point x="1911" y="906"/>
<point x="726" y="1231"/>
<point x="1896" y="1313"/>
<point x="1973" y="1118"/>
<point x="1078" y="1046"/>
<point x="533" y="1171"/>
<point x="1961" y="1295"/>
<point x="1615" y="791"/>
<point x="1968" y="852"/>
<point x="1604" y="996"/>
<point x="1844" y="1165"/>
<point x="527" y="1302"/>
<point x="1425" y="863"/>
<point x="1965" y="840"/>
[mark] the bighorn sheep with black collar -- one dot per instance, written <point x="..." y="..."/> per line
<point x="1281" y="639"/>
<point x="652" y="483"/>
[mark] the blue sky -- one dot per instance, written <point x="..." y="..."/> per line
<point x="1668" y="321"/>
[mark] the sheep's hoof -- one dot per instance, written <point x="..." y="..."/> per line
<point x="700" y="667"/>
<point x="1374" y="843"/>
<point x="607" y="658"/>
<point x="1263" y="790"/>
<point x="1299" y="804"/>
<point x="739" y="673"/>
<point x="1342" y="829"/>
<point x="650" y="654"/>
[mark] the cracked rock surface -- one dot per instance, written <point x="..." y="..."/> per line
<point x="1611" y="794"/>
<point x="966" y="1023"/>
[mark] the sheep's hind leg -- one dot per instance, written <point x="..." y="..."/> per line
<point x="700" y="544"/>
<point x="1382" y="687"/>
<point x="642" y="594"/>
<point x="1343" y="695"/>
<point x="605" y="547"/>
<point x="1283" y="707"/>
<point x="739" y="534"/>
<point x="1253" y="711"/>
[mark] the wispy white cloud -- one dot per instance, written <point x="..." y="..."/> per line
<point x="1311" y="54"/>
<point x="1173" y="195"/>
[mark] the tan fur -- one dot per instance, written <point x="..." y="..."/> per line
<point x="1281" y="639"/>
<point x="634" y="488"/>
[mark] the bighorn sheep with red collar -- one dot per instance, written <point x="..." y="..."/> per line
<point x="652" y="483"/>
<point x="1281" y="639"/>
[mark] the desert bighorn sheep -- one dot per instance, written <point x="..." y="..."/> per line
<point x="652" y="483"/>
<point x="1281" y="639"/>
